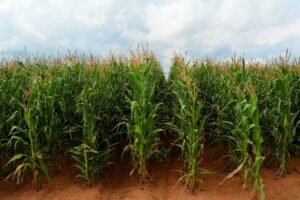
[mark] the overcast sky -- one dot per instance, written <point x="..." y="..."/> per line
<point x="216" y="28"/>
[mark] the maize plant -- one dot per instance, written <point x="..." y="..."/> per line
<point x="99" y="104"/>
<point x="284" y="120"/>
<point x="257" y="146"/>
<point x="143" y="133"/>
<point x="89" y="156"/>
<point x="28" y="143"/>
<point x="243" y="124"/>
<point x="188" y="122"/>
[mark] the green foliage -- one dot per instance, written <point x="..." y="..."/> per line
<point x="187" y="122"/>
<point x="78" y="104"/>
<point x="99" y="105"/>
<point x="284" y="120"/>
<point x="246" y="135"/>
<point x="68" y="111"/>
<point x="32" y="158"/>
<point x="142" y="128"/>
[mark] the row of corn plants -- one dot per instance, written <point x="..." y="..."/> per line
<point x="188" y="121"/>
<point x="100" y="105"/>
<point x="87" y="107"/>
<point x="253" y="110"/>
<point x="143" y="127"/>
<point x="34" y="131"/>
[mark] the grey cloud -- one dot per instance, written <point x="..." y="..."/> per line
<point x="257" y="28"/>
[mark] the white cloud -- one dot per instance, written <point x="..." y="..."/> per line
<point x="90" y="20"/>
<point x="276" y="34"/>
<point x="258" y="28"/>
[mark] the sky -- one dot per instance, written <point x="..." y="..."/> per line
<point x="215" y="28"/>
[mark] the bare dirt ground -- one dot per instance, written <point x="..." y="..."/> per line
<point x="118" y="185"/>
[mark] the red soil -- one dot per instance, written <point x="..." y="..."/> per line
<point x="118" y="185"/>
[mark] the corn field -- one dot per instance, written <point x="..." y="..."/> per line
<point x="86" y="107"/>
